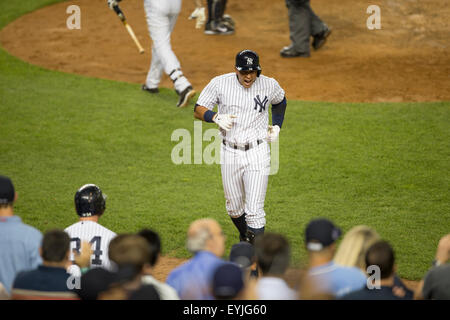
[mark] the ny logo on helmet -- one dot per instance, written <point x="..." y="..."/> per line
<point x="249" y="60"/>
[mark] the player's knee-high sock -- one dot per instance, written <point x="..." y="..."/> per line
<point x="210" y="12"/>
<point x="223" y="7"/>
<point x="216" y="11"/>
<point x="240" y="224"/>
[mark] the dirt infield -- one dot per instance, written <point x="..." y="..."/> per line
<point x="407" y="60"/>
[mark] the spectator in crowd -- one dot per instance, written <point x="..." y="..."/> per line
<point x="145" y="292"/>
<point x="321" y="236"/>
<point x="436" y="283"/>
<point x="95" y="282"/>
<point x="273" y="258"/>
<point x="165" y="291"/>
<point x="379" y="254"/>
<point x="193" y="279"/>
<point x="4" y="295"/>
<point x="90" y="204"/>
<point x="228" y="282"/>
<point x="243" y="254"/>
<point x="19" y="242"/>
<point x="352" y="250"/>
<point x="130" y="254"/>
<point x="50" y="280"/>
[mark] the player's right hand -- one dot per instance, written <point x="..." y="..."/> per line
<point x="113" y="3"/>
<point x="199" y="15"/>
<point x="272" y="133"/>
<point x="224" y="121"/>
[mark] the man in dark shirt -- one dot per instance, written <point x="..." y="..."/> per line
<point x="50" y="280"/>
<point x="380" y="255"/>
<point x="436" y="283"/>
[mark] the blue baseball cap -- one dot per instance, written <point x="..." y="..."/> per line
<point x="320" y="233"/>
<point x="228" y="281"/>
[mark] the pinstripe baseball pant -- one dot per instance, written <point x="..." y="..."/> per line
<point x="245" y="175"/>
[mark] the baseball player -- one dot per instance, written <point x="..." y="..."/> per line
<point x="90" y="205"/>
<point x="218" y="22"/>
<point x="161" y="18"/>
<point x="242" y="98"/>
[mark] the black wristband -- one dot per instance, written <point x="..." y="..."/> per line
<point x="208" y="116"/>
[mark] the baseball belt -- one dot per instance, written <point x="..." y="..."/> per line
<point x="243" y="147"/>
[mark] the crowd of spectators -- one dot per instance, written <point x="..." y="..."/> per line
<point x="362" y="267"/>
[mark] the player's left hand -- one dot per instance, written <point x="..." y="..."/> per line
<point x="199" y="15"/>
<point x="113" y="3"/>
<point x="272" y="133"/>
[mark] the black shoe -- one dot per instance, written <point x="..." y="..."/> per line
<point x="290" y="52"/>
<point x="320" y="39"/>
<point x="228" y="21"/>
<point x="185" y="96"/>
<point x="218" y="28"/>
<point x="248" y="237"/>
<point x="150" y="90"/>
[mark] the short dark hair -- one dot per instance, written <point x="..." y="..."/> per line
<point x="272" y="253"/>
<point x="382" y="255"/>
<point x="55" y="245"/>
<point x="154" y="243"/>
<point x="7" y="192"/>
<point x="6" y="205"/>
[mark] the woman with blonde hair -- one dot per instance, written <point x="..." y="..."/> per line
<point x="352" y="253"/>
<point x="353" y="247"/>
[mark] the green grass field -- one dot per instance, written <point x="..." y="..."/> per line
<point x="384" y="165"/>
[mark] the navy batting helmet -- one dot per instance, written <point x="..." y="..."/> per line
<point x="89" y="201"/>
<point x="248" y="60"/>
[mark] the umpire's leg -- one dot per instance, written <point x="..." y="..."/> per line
<point x="299" y="24"/>
<point x="317" y="25"/>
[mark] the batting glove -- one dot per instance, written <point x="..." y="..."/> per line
<point x="113" y="3"/>
<point x="199" y="15"/>
<point x="224" y="121"/>
<point x="272" y="133"/>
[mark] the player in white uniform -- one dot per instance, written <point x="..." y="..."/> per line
<point x="90" y="205"/>
<point x="161" y="18"/>
<point x="242" y="98"/>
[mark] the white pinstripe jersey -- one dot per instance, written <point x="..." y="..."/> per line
<point x="250" y="105"/>
<point x="97" y="235"/>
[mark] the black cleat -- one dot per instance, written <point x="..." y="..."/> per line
<point x="320" y="39"/>
<point x="150" y="90"/>
<point x="187" y="94"/>
<point x="290" y="52"/>
<point x="248" y="237"/>
<point x="219" y="28"/>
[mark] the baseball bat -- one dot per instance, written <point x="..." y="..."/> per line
<point x="128" y="27"/>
